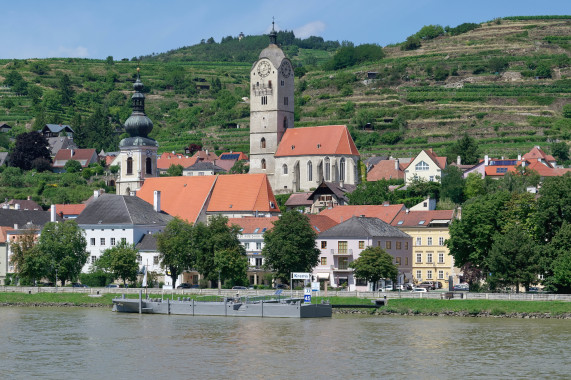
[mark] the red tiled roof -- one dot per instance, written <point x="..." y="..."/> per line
<point x="342" y="213"/>
<point x="385" y="169"/>
<point x="319" y="223"/>
<point x="537" y="153"/>
<point x="331" y="139"/>
<point x="493" y="170"/>
<point x="167" y="159"/>
<point x="241" y="156"/>
<point x="3" y="231"/>
<point x="83" y="156"/>
<point x="546" y="171"/>
<point x="242" y="192"/>
<point x="299" y="199"/>
<point x="69" y="209"/>
<point x="440" y="161"/>
<point x="203" y="155"/>
<point x="413" y="218"/>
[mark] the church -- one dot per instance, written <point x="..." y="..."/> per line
<point x="294" y="159"/>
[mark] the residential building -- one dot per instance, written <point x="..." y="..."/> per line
<point x="386" y="212"/>
<point x="426" y="166"/>
<point x="69" y="211"/>
<point x="84" y="156"/>
<point x="202" y="168"/>
<point x="342" y="244"/>
<point x="21" y="204"/>
<point x="56" y="130"/>
<point x="386" y="169"/>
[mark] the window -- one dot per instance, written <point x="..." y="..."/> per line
<point x="388" y="244"/>
<point x="285" y="122"/>
<point x="123" y="240"/>
<point x="286" y="101"/>
<point x="419" y="257"/>
<point x="429" y="240"/>
<point x="361" y="244"/>
<point x="421" y="166"/>
<point x="92" y="240"/>
<point x="258" y="245"/>
<point x="284" y="168"/>
<point x="139" y="258"/>
<point x="93" y="259"/>
<point x="342" y="245"/>
<point x="263" y="164"/>
<point x="259" y="262"/>
<point x="399" y="244"/>
<point x="406" y="245"/>
<point x="441" y="240"/>
<point x="429" y="257"/>
<point x="102" y="241"/>
<point x="342" y="169"/>
<point x="112" y="241"/>
<point x="309" y="171"/>
<point x="148" y="166"/>
<point x="323" y="244"/>
<point x="327" y="170"/>
<point x="440" y="274"/>
<point x="419" y="275"/>
<point x="441" y="257"/>
<point x="397" y="260"/>
<point x="156" y="260"/>
<point x="406" y="260"/>
<point x="431" y="178"/>
<point x="418" y="241"/>
<point x="323" y="260"/>
<point x="246" y="246"/>
<point x="129" y="165"/>
<point x="263" y="143"/>
<point x="264" y="100"/>
<point x="429" y="275"/>
<point x="282" y="82"/>
<point x="343" y="263"/>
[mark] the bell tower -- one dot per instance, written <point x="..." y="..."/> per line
<point x="271" y="106"/>
<point x="138" y="153"/>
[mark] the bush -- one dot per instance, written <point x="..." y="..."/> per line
<point x="411" y="43"/>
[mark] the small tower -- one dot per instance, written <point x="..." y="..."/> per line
<point x="271" y="106"/>
<point x="138" y="153"/>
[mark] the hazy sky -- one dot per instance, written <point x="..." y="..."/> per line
<point x="123" y="29"/>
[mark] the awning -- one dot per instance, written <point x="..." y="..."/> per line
<point x="322" y="276"/>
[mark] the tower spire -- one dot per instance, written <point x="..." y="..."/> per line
<point x="273" y="33"/>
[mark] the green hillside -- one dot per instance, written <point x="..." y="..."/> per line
<point x="504" y="83"/>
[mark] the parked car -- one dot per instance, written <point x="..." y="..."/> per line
<point x="239" y="288"/>
<point x="430" y="285"/>
<point x="281" y="286"/>
<point x="78" y="285"/>
<point x="461" y="287"/>
<point x="388" y="288"/>
<point x="184" y="285"/>
<point x="112" y="286"/>
<point x="419" y="290"/>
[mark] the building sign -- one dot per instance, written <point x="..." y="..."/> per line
<point x="301" y="276"/>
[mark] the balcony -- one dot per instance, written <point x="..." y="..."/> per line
<point x="343" y="267"/>
<point x="341" y="252"/>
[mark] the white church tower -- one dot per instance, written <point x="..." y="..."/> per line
<point x="271" y="106"/>
<point x="138" y="153"/>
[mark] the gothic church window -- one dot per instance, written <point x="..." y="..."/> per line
<point x="148" y="166"/>
<point x="342" y="170"/>
<point x="129" y="165"/>
<point x="263" y="164"/>
<point x="284" y="168"/>
<point x="327" y="170"/>
<point x="285" y="122"/>
<point x="309" y="171"/>
<point x="263" y="143"/>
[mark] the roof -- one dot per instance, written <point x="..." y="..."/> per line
<point x="546" y="171"/>
<point x="384" y="212"/>
<point x="233" y="156"/>
<point x="359" y="227"/>
<point x="332" y="188"/>
<point x="299" y="199"/>
<point x="24" y="204"/>
<point x="243" y="192"/>
<point x="439" y="161"/>
<point x="375" y="160"/>
<point x="121" y="209"/>
<point x="499" y="170"/>
<point x="205" y="155"/>
<point x="385" y="169"/>
<point x="3" y="231"/>
<point x="57" y="128"/>
<point x="83" y="156"/>
<point x="274" y="54"/>
<point x="58" y="143"/>
<point x="321" y="223"/>
<point x="225" y="165"/>
<point x="3" y="156"/>
<point x="253" y="225"/>
<point x="184" y="197"/>
<point x="204" y="165"/>
<point x="69" y="209"/>
<point x="537" y="153"/>
<point x="422" y="218"/>
<point x="167" y="159"/>
<point x="22" y="217"/>
<point x="324" y="140"/>
<point x="147" y="243"/>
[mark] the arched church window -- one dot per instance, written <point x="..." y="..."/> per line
<point x="263" y="164"/>
<point x="263" y="143"/>
<point x="130" y="165"/>
<point x="309" y="171"/>
<point x="284" y="167"/>
<point x="327" y="170"/>
<point x="148" y="166"/>
<point x="342" y="169"/>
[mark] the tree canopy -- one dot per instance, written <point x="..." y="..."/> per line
<point x="29" y="146"/>
<point x="121" y="261"/>
<point x="373" y="265"/>
<point x="175" y="247"/>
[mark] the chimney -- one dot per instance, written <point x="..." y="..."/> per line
<point x="341" y="183"/>
<point x="407" y="211"/>
<point x="5" y="206"/>
<point x="519" y="157"/>
<point x="458" y="160"/>
<point x="207" y="153"/>
<point x="132" y="193"/>
<point x="486" y="160"/>
<point x="17" y="206"/>
<point x="397" y="164"/>
<point x="95" y="194"/>
<point x="52" y="213"/>
<point x="72" y="152"/>
<point x="29" y="197"/>
<point x="15" y="226"/>
<point x="157" y="201"/>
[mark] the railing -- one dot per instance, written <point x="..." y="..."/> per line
<point x="341" y="251"/>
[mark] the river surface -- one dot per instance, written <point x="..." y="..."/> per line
<point x="83" y="343"/>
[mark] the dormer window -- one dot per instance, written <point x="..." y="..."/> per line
<point x="421" y="166"/>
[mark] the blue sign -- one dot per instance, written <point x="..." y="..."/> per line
<point x="307" y="298"/>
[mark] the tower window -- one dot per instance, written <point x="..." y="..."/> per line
<point x="284" y="167"/>
<point x="282" y="82"/>
<point x="149" y="166"/>
<point x="129" y="165"/>
<point x="270" y="84"/>
<point x="264" y="100"/>
<point x="285" y="122"/>
<point x="263" y="164"/>
<point x="263" y="143"/>
<point x="286" y="101"/>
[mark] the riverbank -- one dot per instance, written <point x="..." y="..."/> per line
<point x="408" y="307"/>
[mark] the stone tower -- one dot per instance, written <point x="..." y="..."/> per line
<point x="138" y="153"/>
<point x="271" y="106"/>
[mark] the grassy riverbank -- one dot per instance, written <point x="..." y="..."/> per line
<point x="404" y="306"/>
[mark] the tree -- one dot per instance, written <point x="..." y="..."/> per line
<point x="72" y="166"/>
<point x="474" y="186"/>
<point x="371" y="193"/>
<point x="239" y="167"/>
<point x="64" y="243"/>
<point x="175" y="247"/>
<point x="560" y="150"/>
<point x="411" y="43"/>
<point x="121" y="260"/>
<point x="290" y="246"/>
<point x="231" y="264"/>
<point x="467" y="148"/>
<point x="29" y="262"/>
<point x="175" y="170"/>
<point x="429" y="32"/>
<point x="373" y="265"/>
<point x="28" y="147"/>
<point x="452" y="184"/>
<point x="109" y="60"/>
<point x="555" y="261"/>
<point x="65" y="91"/>
<point x="553" y="207"/>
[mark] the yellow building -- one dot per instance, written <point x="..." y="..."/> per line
<point x="430" y="257"/>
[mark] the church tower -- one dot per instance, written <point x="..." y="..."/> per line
<point x="271" y="106"/>
<point x="138" y="153"/>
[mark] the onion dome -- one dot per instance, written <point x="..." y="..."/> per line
<point x="138" y="124"/>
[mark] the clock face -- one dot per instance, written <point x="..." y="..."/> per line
<point x="286" y="69"/>
<point x="264" y="69"/>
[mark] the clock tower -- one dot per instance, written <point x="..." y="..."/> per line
<point x="271" y="107"/>
<point x="138" y="153"/>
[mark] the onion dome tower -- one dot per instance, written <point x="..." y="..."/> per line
<point x="138" y="155"/>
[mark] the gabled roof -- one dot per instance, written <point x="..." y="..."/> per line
<point x="184" y="197"/>
<point x="330" y="188"/>
<point x="24" y="204"/>
<point x="83" y="156"/>
<point x="205" y="166"/>
<point x="544" y="170"/>
<point x="167" y="159"/>
<point x="324" y="140"/>
<point x="422" y="218"/>
<point x="537" y="153"/>
<point x="321" y="223"/>
<point x="70" y="209"/>
<point x="299" y="200"/>
<point x="58" y="143"/>
<point x="499" y="170"/>
<point x="386" y="169"/>
<point x="22" y="217"/>
<point x="233" y="156"/>
<point x="242" y="192"/>
<point x="3" y="231"/>
<point x="225" y="165"/>
<point x="147" y="243"/>
<point x="205" y="155"/>
<point x="384" y="212"/>
<point x="253" y="225"/>
<point x="121" y="209"/>
<point x="439" y="161"/>
<point x="57" y="128"/>
<point x="359" y="227"/>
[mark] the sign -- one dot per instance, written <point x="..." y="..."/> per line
<point x="315" y="286"/>
<point x="301" y="276"/>
<point x="307" y="295"/>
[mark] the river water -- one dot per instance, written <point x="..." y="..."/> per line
<point x="82" y="343"/>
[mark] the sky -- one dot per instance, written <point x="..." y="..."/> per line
<point x="128" y="28"/>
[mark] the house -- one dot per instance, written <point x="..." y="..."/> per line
<point x="386" y="212"/>
<point x="300" y="201"/>
<point x="56" y="130"/>
<point x="21" y="204"/>
<point x="329" y="195"/>
<point x="386" y="169"/>
<point x="227" y="160"/>
<point x="69" y="211"/>
<point x="110" y="219"/>
<point x="202" y="168"/>
<point x="426" y="166"/>
<point x="5" y="128"/>
<point x="3" y="158"/>
<point x="537" y="154"/>
<point x="149" y="257"/>
<point x="166" y="159"/>
<point x="429" y="230"/>
<point x="342" y="244"/>
<point x="58" y="143"/>
<point x="84" y="156"/>
<point x="4" y="253"/>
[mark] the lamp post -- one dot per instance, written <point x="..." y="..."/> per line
<point x="219" y="283"/>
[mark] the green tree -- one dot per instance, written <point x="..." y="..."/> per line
<point x="371" y="193"/>
<point x="553" y="207"/>
<point x="65" y="244"/>
<point x="30" y="264"/>
<point x="429" y="32"/>
<point x="175" y="248"/>
<point x="411" y="43"/>
<point x="72" y="166"/>
<point x="467" y="148"/>
<point x="290" y="246"/>
<point x="239" y="167"/>
<point x="65" y="90"/>
<point x="174" y="170"/>
<point x="121" y="260"/>
<point x="452" y="184"/>
<point x="109" y="60"/>
<point x="232" y="265"/>
<point x="555" y="261"/>
<point x="560" y="150"/>
<point x="28" y="147"/>
<point x="474" y="186"/>
<point x="373" y="265"/>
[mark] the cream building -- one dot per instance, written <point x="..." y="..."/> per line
<point x="426" y="166"/>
